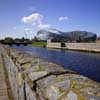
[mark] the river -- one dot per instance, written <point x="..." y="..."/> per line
<point x="87" y="64"/>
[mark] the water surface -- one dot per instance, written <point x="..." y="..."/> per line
<point x="87" y="64"/>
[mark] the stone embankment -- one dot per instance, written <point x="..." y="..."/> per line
<point x="32" y="78"/>
<point x="88" y="47"/>
<point x="5" y="89"/>
<point x="3" y="86"/>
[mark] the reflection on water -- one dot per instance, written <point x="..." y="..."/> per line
<point x="87" y="64"/>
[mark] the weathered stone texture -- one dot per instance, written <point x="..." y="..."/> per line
<point x="37" y="79"/>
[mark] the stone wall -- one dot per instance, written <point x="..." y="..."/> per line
<point x="84" y="46"/>
<point x="53" y="45"/>
<point x="33" y="78"/>
<point x="3" y="81"/>
<point x="92" y="47"/>
<point x="12" y="73"/>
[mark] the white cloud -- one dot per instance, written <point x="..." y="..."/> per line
<point x="78" y="25"/>
<point x="63" y="18"/>
<point x="14" y="28"/>
<point x="36" y="20"/>
<point x="44" y="26"/>
<point x="36" y="17"/>
<point x="27" y="29"/>
<point x="32" y="8"/>
<point x="33" y="24"/>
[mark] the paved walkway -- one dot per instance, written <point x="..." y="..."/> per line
<point x="3" y="85"/>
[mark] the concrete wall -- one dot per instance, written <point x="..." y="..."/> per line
<point x="84" y="46"/>
<point x="54" y="45"/>
<point x="94" y="47"/>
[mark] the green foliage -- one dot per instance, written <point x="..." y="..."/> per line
<point x="21" y="40"/>
<point x="39" y="44"/>
<point x="35" y="39"/>
<point x="8" y="40"/>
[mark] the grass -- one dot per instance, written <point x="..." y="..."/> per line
<point x="39" y="44"/>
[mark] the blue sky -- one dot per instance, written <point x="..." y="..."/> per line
<point x="20" y="17"/>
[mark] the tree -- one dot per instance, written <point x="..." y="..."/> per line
<point x="35" y="39"/>
<point x="17" y="40"/>
<point x="8" y="40"/>
<point x="22" y="39"/>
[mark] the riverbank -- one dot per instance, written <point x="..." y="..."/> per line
<point x="5" y="88"/>
<point x="73" y="60"/>
<point x="40" y="80"/>
<point x="39" y="44"/>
